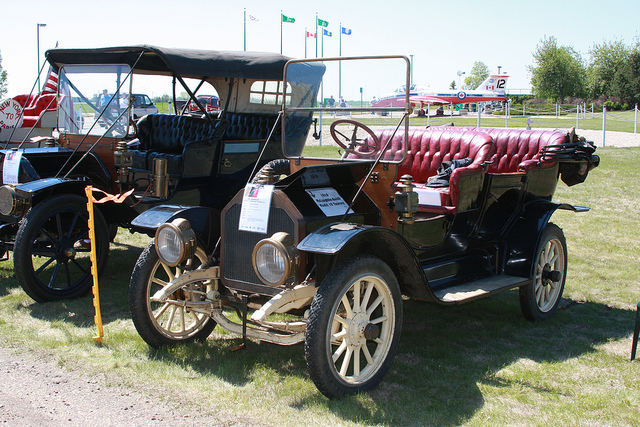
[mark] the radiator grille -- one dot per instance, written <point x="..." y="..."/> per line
<point x="238" y="245"/>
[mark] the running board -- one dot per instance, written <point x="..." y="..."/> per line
<point x="479" y="288"/>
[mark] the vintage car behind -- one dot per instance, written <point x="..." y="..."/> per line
<point x="159" y="159"/>
<point x="320" y="247"/>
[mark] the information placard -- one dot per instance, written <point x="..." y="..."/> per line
<point x="329" y="201"/>
<point x="256" y="202"/>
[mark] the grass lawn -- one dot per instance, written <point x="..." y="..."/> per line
<point x="479" y="364"/>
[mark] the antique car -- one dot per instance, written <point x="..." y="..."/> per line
<point x="321" y="246"/>
<point x="158" y="159"/>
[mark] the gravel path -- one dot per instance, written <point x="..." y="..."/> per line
<point x="36" y="392"/>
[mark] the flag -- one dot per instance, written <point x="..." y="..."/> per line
<point x="312" y="35"/>
<point x="326" y="33"/>
<point x="51" y="85"/>
<point x="253" y="18"/>
<point x="346" y="31"/>
<point x="285" y="18"/>
<point x="322" y="23"/>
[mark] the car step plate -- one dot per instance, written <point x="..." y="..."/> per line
<point x="479" y="288"/>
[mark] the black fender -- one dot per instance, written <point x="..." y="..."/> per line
<point x="205" y="222"/>
<point x="336" y="242"/>
<point x="42" y="189"/>
<point x="524" y="235"/>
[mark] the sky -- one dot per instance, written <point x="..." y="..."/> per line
<point x="441" y="37"/>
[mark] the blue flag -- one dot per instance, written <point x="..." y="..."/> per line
<point x="346" y="31"/>
<point x="326" y="33"/>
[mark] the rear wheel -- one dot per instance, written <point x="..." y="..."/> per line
<point x="354" y="327"/>
<point x="172" y="322"/>
<point x="52" y="249"/>
<point x="540" y="298"/>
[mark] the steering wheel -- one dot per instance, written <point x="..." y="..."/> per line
<point x="367" y="147"/>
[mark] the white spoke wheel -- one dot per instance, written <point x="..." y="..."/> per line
<point x="540" y="298"/>
<point x="172" y="322"/>
<point x="354" y="327"/>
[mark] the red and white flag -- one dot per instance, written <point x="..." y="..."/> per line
<point x="312" y="35"/>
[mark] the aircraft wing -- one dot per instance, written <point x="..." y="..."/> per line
<point x="420" y="100"/>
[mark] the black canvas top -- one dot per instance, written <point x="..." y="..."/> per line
<point x="192" y="63"/>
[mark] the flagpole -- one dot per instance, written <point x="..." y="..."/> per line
<point x="281" y="32"/>
<point x="340" y="64"/>
<point x="305" y="42"/>
<point x="245" y="29"/>
<point x="316" y="34"/>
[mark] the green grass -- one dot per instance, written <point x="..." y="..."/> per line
<point x="478" y="364"/>
<point x="616" y="121"/>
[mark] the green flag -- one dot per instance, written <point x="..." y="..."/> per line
<point x="285" y="18"/>
<point x="322" y="23"/>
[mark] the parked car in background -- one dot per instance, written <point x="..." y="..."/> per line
<point x="210" y="103"/>
<point x="142" y="105"/>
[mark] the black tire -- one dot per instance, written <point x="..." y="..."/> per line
<point x="159" y="324"/>
<point x="540" y="298"/>
<point x="280" y="167"/>
<point x="58" y="231"/>
<point x="357" y="333"/>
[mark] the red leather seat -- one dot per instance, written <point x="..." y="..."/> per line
<point x="427" y="149"/>
<point x="517" y="150"/>
<point x="44" y="102"/>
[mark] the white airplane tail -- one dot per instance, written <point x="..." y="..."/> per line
<point x="494" y="83"/>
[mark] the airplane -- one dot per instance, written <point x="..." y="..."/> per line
<point x="492" y="89"/>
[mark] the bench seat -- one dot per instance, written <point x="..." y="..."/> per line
<point x="427" y="149"/>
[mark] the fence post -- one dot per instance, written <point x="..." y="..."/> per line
<point x="635" y="121"/>
<point x="557" y="111"/>
<point x="604" y="123"/>
<point x="479" y="109"/>
<point x="577" y="116"/>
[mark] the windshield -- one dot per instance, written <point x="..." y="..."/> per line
<point x="350" y="122"/>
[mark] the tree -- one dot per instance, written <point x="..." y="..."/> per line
<point x="479" y="73"/>
<point x="3" y="79"/>
<point x="452" y="85"/>
<point x="558" y="71"/>
<point x="607" y="60"/>
<point x="626" y="80"/>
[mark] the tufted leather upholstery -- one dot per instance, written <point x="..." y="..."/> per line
<point x="427" y="149"/>
<point x="518" y="150"/>
<point x="170" y="134"/>
<point x="167" y="136"/>
<point x="42" y="103"/>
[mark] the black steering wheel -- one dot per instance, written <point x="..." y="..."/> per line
<point x="367" y="147"/>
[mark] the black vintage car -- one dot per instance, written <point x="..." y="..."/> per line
<point x="159" y="159"/>
<point x="322" y="245"/>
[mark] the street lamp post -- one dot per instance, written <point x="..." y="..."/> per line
<point x="38" y="47"/>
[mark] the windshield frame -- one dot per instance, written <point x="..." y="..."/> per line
<point x="403" y="122"/>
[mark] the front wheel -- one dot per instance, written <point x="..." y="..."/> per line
<point x="354" y="327"/>
<point x="171" y="322"/>
<point x="52" y="248"/>
<point x="540" y="298"/>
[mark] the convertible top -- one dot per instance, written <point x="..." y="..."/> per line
<point x="191" y="63"/>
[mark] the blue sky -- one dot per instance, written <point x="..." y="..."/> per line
<point x="442" y="36"/>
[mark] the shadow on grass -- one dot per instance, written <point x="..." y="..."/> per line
<point x="445" y="355"/>
<point x="113" y="287"/>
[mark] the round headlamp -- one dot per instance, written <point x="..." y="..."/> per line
<point x="11" y="203"/>
<point x="274" y="259"/>
<point x="175" y="242"/>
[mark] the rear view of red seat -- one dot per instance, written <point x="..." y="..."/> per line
<point x="44" y="102"/>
